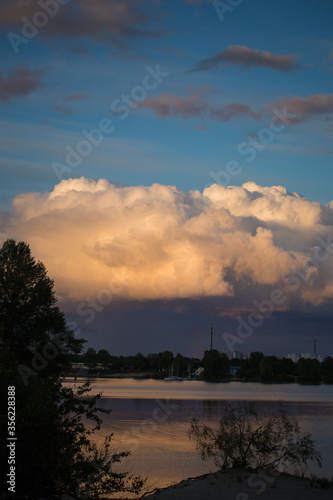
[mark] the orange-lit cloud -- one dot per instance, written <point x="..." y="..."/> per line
<point x="159" y="242"/>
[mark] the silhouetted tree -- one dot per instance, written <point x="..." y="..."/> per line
<point x="309" y="371"/>
<point x="327" y="370"/>
<point x="140" y="362"/>
<point x="153" y="361"/>
<point x="104" y="357"/>
<point x="165" y="359"/>
<point x="54" y="454"/>
<point x="243" y="439"/>
<point x="254" y="364"/>
<point x="216" y="365"/>
<point x="90" y="357"/>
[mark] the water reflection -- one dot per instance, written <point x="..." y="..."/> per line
<point x="154" y="389"/>
<point x="151" y="419"/>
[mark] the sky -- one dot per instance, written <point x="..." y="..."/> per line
<point x="170" y="162"/>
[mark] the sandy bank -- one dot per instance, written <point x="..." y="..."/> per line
<point x="243" y="484"/>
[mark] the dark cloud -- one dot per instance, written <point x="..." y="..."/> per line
<point x="76" y="97"/>
<point x="305" y="108"/>
<point x="62" y="109"/>
<point x="113" y="23"/>
<point x="19" y="81"/>
<point x="231" y="111"/>
<point x="125" y="328"/>
<point x="196" y="105"/>
<point x="65" y="110"/>
<point x="244" y="56"/>
<point x="292" y="110"/>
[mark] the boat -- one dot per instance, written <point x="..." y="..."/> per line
<point x="175" y="378"/>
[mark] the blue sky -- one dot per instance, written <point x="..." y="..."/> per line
<point x="173" y="150"/>
<point x="223" y="76"/>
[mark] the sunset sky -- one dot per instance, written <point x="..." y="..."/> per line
<point x="170" y="162"/>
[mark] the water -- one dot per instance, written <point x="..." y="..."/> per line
<point x="151" y="418"/>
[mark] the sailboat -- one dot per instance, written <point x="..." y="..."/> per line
<point x="171" y="376"/>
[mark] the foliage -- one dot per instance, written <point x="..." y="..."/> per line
<point x="309" y="371"/>
<point x="274" y="369"/>
<point x="29" y="317"/>
<point x="327" y="370"/>
<point x="250" y="368"/>
<point x="243" y="439"/>
<point x="54" y="423"/>
<point x="216" y="365"/>
<point x="90" y="357"/>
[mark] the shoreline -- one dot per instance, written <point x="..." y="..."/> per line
<point x="145" y="376"/>
<point x="245" y="484"/>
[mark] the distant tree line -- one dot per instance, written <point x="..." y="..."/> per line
<point x="216" y="366"/>
<point x="272" y="369"/>
<point x="161" y="363"/>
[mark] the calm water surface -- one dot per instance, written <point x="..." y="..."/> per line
<point x="151" y="418"/>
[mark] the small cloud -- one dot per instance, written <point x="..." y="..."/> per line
<point x="305" y="108"/>
<point x="195" y="105"/>
<point x="76" y="97"/>
<point x="234" y="110"/>
<point x="202" y="127"/>
<point x="76" y="50"/>
<point x="246" y="57"/>
<point x="172" y="51"/>
<point x="62" y="109"/>
<point x="189" y="106"/>
<point x="19" y="81"/>
<point x="58" y="106"/>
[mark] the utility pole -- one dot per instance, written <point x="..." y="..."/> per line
<point x="211" y="337"/>
<point x="315" y="347"/>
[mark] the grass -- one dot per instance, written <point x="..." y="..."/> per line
<point x="320" y="482"/>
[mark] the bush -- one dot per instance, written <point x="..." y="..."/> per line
<point x="245" y="440"/>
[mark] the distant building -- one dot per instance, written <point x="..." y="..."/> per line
<point x="234" y="354"/>
<point x="79" y="365"/>
<point x="234" y="370"/>
<point x="293" y="356"/>
<point x="306" y="355"/>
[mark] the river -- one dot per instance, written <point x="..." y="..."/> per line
<point x="151" y="418"/>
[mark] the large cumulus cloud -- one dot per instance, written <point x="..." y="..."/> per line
<point x="159" y="242"/>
